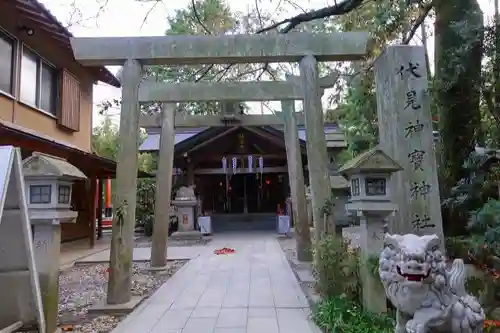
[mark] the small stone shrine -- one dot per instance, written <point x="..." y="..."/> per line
<point x="369" y="175"/>
<point x="185" y="201"/>
<point x="49" y="183"/>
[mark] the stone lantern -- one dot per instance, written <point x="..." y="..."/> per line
<point x="48" y="182"/>
<point x="369" y="175"/>
<point x="185" y="201"/>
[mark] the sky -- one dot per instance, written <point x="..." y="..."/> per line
<point x="113" y="18"/>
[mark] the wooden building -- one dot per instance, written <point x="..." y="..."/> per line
<point x="46" y="101"/>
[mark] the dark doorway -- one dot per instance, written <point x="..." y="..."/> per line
<point x="236" y="193"/>
<point x="272" y="192"/>
<point x="244" y="193"/>
<point x="252" y="187"/>
<point x="214" y="196"/>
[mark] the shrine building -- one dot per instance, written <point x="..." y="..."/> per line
<point x="239" y="172"/>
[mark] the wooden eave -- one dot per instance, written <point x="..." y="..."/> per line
<point x="89" y="163"/>
<point x="36" y="13"/>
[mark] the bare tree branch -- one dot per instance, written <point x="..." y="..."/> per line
<point x="424" y="12"/>
<point x="198" y="18"/>
<point x="81" y="20"/>
<point x="278" y="5"/>
<point x="296" y="6"/>
<point x="341" y="8"/>
<point x="258" y="12"/>
<point x="149" y="12"/>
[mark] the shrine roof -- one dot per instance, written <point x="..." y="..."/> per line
<point x="152" y="142"/>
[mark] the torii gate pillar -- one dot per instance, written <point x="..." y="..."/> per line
<point x="317" y="157"/>
<point x="297" y="187"/>
<point x="122" y="242"/>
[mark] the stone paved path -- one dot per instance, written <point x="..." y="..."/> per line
<point x="251" y="291"/>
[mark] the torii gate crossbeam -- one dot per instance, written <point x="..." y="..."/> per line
<point x="194" y="50"/>
<point x="225" y="91"/>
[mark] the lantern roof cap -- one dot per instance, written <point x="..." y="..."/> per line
<point x="372" y="160"/>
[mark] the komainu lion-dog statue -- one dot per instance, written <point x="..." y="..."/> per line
<point x="185" y="193"/>
<point x="429" y="296"/>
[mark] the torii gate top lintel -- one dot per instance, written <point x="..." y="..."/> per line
<point x="229" y="91"/>
<point x="190" y="50"/>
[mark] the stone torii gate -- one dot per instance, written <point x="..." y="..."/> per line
<point x="134" y="52"/>
<point x="169" y="94"/>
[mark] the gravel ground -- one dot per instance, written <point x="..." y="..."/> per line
<point x="84" y="285"/>
<point x="144" y="241"/>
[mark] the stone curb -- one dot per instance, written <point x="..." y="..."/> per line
<point x="312" y="297"/>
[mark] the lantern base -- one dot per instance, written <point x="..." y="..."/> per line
<point x="187" y="235"/>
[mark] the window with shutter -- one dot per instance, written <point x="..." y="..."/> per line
<point x="69" y="108"/>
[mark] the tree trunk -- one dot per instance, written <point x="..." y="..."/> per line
<point x="458" y="53"/>
<point x="423" y="32"/>
<point x="496" y="68"/>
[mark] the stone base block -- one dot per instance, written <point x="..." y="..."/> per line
<point x="187" y="235"/>
<point x="115" y="309"/>
<point x="157" y="269"/>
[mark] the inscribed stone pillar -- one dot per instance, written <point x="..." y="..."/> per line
<point x="405" y="128"/>
<point x="317" y="157"/>
<point x="163" y="187"/>
<point x="296" y="180"/>
<point x="122" y="243"/>
<point x="47" y="247"/>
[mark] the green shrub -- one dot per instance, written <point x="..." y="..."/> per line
<point x="485" y="222"/>
<point x="336" y="268"/>
<point x="340" y="315"/>
<point x="149" y="224"/>
<point x="373" y="264"/>
<point x="145" y="203"/>
<point x="148" y="221"/>
<point x="471" y="192"/>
